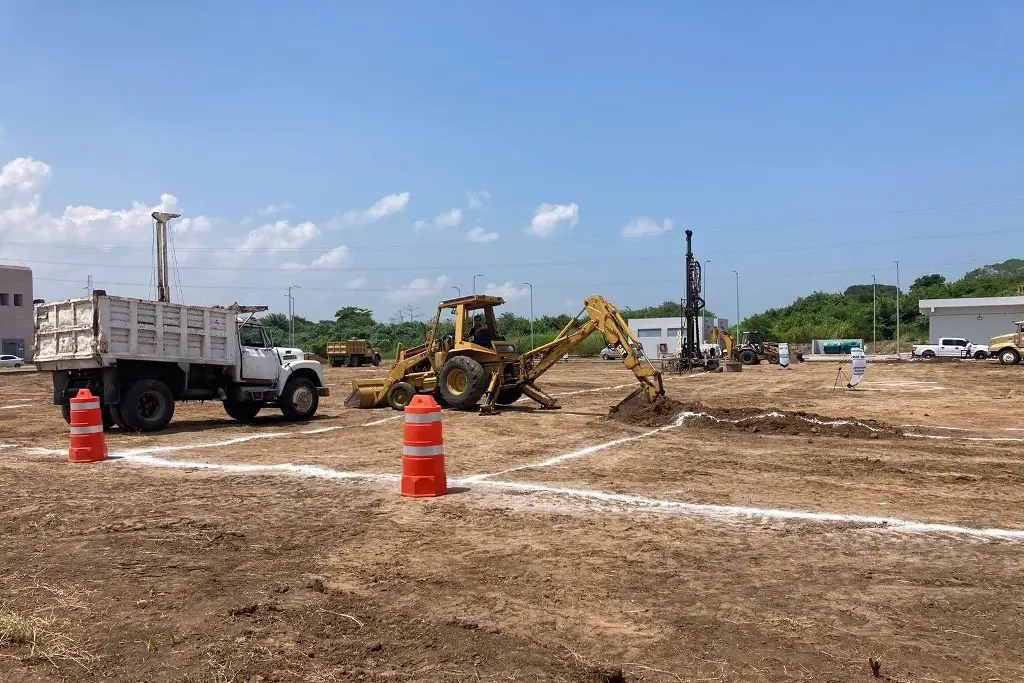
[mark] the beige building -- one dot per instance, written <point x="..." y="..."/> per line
<point x="16" y="324"/>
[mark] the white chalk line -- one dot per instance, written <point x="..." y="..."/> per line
<point x="17" y="405"/>
<point x="728" y="512"/>
<point x="311" y="471"/>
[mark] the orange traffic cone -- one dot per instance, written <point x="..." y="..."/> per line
<point x="87" y="441"/>
<point x="423" y="450"/>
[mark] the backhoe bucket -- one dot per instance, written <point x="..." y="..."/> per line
<point x="364" y="396"/>
<point x="635" y="399"/>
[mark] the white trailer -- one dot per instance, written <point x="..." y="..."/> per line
<point x="141" y="356"/>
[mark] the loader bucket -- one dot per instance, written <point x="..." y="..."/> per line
<point x="364" y="396"/>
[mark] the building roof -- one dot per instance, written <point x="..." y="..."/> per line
<point x="926" y="305"/>
<point x="26" y="268"/>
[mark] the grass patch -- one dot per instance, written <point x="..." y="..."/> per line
<point x="41" y="636"/>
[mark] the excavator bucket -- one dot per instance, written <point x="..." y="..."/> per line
<point x="365" y="394"/>
<point x="635" y="399"/>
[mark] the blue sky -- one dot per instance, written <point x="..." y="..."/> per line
<point x="800" y="141"/>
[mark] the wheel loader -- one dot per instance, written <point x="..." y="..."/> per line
<point x="752" y="348"/>
<point x="464" y="374"/>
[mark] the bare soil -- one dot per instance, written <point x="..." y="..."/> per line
<point x="221" y="552"/>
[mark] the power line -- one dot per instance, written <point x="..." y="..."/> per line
<point x="574" y="239"/>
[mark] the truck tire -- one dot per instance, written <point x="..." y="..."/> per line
<point x="1009" y="357"/>
<point x="400" y="394"/>
<point x="147" y="406"/>
<point x="335" y="362"/>
<point x="748" y="356"/>
<point x="980" y="355"/>
<point x="507" y="397"/>
<point x="376" y="360"/>
<point x="299" y="399"/>
<point x="115" y="417"/>
<point x="245" y="411"/>
<point x="928" y="354"/>
<point x="462" y="382"/>
<point x="108" y="421"/>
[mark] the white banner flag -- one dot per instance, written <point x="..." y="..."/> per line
<point x="783" y="355"/>
<point x="860" y="366"/>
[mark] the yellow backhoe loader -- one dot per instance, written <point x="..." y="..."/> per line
<point x="463" y="368"/>
<point x="752" y="348"/>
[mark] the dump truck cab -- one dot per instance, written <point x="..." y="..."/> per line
<point x="1008" y="348"/>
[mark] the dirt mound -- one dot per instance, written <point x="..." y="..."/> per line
<point x="638" y="411"/>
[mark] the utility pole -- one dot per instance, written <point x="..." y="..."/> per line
<point x="897" y="308"/>
<point x="874" y="316"/>
<point x="531" y="314"/>
<point x="474" y="283"/>
<point x="737" y="305"/>
<point x="163" y="291"/>
<point x="88" y="285"/>
<point x="291" y="315"/>
<point x="704" y="296"/>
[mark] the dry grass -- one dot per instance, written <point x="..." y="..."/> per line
<point x="41" y="636"/>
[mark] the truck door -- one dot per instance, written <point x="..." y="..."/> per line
<point x="259" y="362"/>
<point x="946" y="347"/>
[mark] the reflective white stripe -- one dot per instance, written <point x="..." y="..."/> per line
<point x="91" y="405"/>
<point x="423" y="418"/>
<point x="93" y="429"/>
<point x="422" y="450"/>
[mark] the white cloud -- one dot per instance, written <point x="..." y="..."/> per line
<point x="279" y="236"/>
<point x="646" y="227"/>
<point x="191" y="225"/>
<point x="447" y="219"/>
<point x="382" y="208"/>
<point x="335" y="257"/>
<point x="420" y="288"/>
<point x="25" y="175"/>
<point x="271" y="209"/>
<point x="481" y="236"/>
<point x="508" y="291"/>
<point x="357" y="283"/>
<point x="548" y="217"/>
<point x="475" y="199"/>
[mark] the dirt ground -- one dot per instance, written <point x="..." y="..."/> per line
<point x="786" y="530"/>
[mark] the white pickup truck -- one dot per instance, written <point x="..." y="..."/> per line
<point x="141" y="356"/>
<point x="951" y="347"/>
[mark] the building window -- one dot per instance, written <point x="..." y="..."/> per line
<point x="19" y="299"/>
<point x="674" y="331"/>
<point x="5" y="299"/>
<point x="649" y="332"/>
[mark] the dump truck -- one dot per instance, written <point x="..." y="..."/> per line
<point x="141" y="356"/>
<point x="464" y="370"/>
<point x="353" y="353"/>
<point x="1008" y="348"/>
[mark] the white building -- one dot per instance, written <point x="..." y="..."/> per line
<point x="660" y="336"/>
<point x="974" y="319"/>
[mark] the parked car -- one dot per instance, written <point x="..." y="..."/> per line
<point x="609" y="353"/>
<point x="951" y="347"/>
<point x="11" y="362"/>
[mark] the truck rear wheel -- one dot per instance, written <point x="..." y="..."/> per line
<point x="299" y="399"/>
<point x="462" y="382"/>
<point x="245" y="411"/>
<point x="147" y="406"/>
<point x="1009" y="357"/>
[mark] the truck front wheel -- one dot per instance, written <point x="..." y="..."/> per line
<point x="147" y="406"/>
<point x="245" y="411"/>
<point x="376" y="360"/>
<point x="299" y="399"/>
<point x="1009" y="357"/>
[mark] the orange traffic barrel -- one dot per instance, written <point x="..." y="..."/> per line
<point x="87" y="441"/>
<point x="423" y="473"/>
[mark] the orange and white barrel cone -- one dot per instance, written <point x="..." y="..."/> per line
<point x="423" y="473"/>
<point x="87" y="441"/>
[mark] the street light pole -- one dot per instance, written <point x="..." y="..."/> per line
<point x="474" y="283"/>
<point x="291" y="315"/>
<point x="897" y="309"/>
<point x="531" y="313"/>
<point x="874" y="316"/>
<point x="458" y="291"/>
<point x="737" y="304"/>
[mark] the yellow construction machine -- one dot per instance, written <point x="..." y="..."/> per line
<point x="752" y="348"/>
<point x="461" y="372"/>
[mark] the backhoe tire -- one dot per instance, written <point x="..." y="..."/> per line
<point x="462" y="382"/>
<point x="299" y="400"/>
<point x="507" y="397"/>
<point x="245" y="411"/>
<point x="147" y="406"/>
<point x="400" y="394"/>
<point x="1009" y="357"/>
<point x="748" y="356"/>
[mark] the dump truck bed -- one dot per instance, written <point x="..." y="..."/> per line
<point x="352" y="347"/>
<point x="100" y="330"/>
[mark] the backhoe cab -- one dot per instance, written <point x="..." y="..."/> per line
<point x="465" y="367"/>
